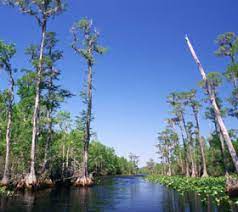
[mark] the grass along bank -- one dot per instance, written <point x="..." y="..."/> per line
<point x="209" y="187"/>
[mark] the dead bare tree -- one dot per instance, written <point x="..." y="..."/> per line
<point x="217" y="111"/>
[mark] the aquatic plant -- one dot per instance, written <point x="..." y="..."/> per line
<point x="208" y="187"/>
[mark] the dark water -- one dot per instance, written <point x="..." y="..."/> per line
<point x="113" y="194"/>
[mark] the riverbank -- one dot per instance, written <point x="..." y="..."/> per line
<point x="209" y="187"/>
<point x="13" y="188"/>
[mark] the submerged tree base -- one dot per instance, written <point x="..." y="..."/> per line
<point x="83" y="181"/>
<point x="46" y="183"/>
<point x="26" y="183"/>
<point x="31" y="181"/>
<point x="4" y="181"/>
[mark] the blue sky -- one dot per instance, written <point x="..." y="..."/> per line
<point x="147" y="59"/>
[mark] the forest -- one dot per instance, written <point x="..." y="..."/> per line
<point x="183" y="149"/>
<point x="40" y="144"/>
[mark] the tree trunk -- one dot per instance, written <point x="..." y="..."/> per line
<point x="201" y="145"/>
<point x="5" y="179"/>
<point x="85" y="161"/>
<point x="221" y="124"/>
<point x="67" y="158"/>
<point x="189" y="149"/>
<point x="233" y="74"/>
<point x="222" y="146"/>
<point x="180" y="159"/>
<point x="181" y="163"/>
<point x="185" y="150"/>
<point x="85" y="180"/>
<point x="63" y="163"/>
<point x="48" y="141"/>
<point x="49" y="120"/>
<point x="31" y="178"/>
<point x="74" y="164"/>
<point x="193" y="168"/>
<point x="204" y="163"/>
<point x="88" y="121"/>
<point x="169" y="173"/>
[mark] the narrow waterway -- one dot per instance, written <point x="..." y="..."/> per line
<point x="112" y="194"/>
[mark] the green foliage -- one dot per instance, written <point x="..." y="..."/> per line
<point x="209" y="187"/>
<point x="84" y="24"/>
<point x="167" y="143"/>
<point x="233" y="100"/>
<point x="231" y="72"/>
<point x="150" y="167"/>
<point x="227" y="44"/>
<point x="88" y="45"/>
<point x="7" y="51"/>
<point x="61" y="139"/>
<point x="40" y="9"/>
<point x="214" y="79"/>
<point x="228" y="47"/>
<point x="104" y="161"/>
<point x="4" y="192"/>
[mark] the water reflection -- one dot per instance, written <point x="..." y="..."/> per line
<point x="113" y="194"/>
